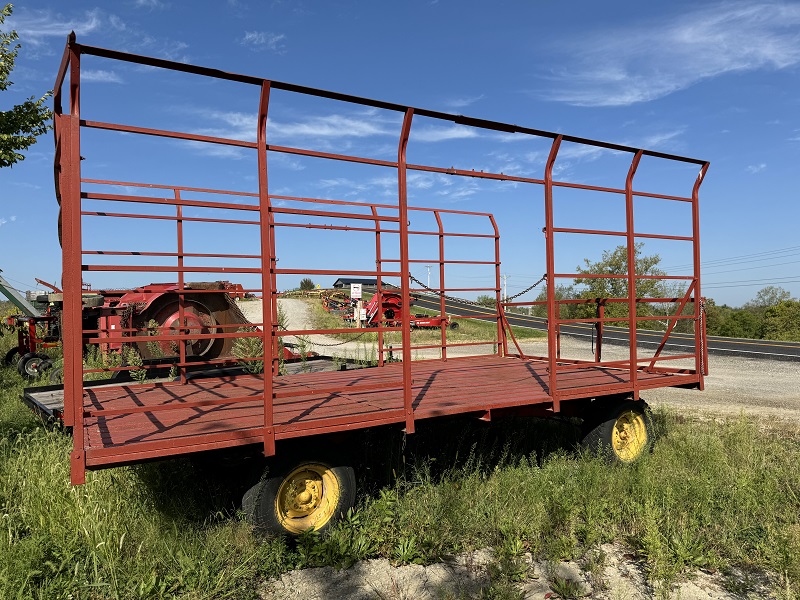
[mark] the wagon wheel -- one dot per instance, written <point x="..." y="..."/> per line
<point x="307" y="495"/>
<point x="57" y="375"/>
<point x="621" y="432"/>
<point x="199" y="321"/>
<point x="11" y="356"/>
<point x="33" y="364"/>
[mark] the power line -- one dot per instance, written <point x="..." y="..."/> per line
<point x="750" y="282"/>
<point x="791" y="262"/>
<point x="790" y="251"/>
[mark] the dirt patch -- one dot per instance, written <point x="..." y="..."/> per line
<point x="621" y="577"/>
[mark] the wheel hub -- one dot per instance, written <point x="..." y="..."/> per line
<point x="307" y="498"/>
<point x="630" y="436"/>
<point x="303" y="494"/>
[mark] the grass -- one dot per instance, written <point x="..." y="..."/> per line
<point x="469" y="330"/>
<point x="721" y="496"/>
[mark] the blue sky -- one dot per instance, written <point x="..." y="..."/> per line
<point x="716" y="81"/>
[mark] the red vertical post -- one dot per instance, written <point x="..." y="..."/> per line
<point x="72" y="273"/>
<point x="378" y="283"/>
<point x="631" y="240"/>
<point x="268" y="291"/>
<point x="502" y="342"/>
<point x="442" y="308"/>
<point x="700" y="339"/>
<point x="601" y="314"/>
<point x="402" y="197"/>
<point x="552" y="315"/>
<point x="181" y="289"/>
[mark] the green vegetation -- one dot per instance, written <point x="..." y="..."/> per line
<point x="712" y="495"/>
<point x="306" y="284"/>
<point x="772" y="315"/>
<point x="469" y="330"/>
<point x="615" y="262"/>
<point x="22" y="123"/>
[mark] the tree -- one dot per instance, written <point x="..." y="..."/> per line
<point x="486" y="300"/>
<point x="772" y="295"/>
<point x="20" y="126"/>
<point x="562" y="292"/>
<point x="306" y="284"/>
<point x="782" y="321"/>
<point x="615" y="262"/>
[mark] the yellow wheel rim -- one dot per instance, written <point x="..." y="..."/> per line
<point x="629" y="437"/>
<point x="307" y="498"/>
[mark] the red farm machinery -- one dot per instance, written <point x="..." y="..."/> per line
<point x="155" y="308"/>
<point x="265" y="410"/>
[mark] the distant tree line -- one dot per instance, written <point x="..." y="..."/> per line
<point x="773" y="314"/>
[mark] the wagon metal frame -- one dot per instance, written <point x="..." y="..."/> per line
<point x="124" y="424"/>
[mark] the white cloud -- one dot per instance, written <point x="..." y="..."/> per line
<point x="100" y="76"/>
<point x="331" y="126"/>
<point x="441" y="134"/>
<point x="756" y="168"/>
<point x="263" y="40"/>
<point x="35" y="26"/>
<point x="651" y="60"/>
<point x="2" y="221"/>
<point x="151" y="4"/>
<point x="464" y="102"/>
<point x="13" y="218"/>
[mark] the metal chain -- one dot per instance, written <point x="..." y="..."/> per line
<point x="700" y="319"/>
<point x="305" y="340"/>
<point x="472" y="302"/>
<point x="526" y="290"/>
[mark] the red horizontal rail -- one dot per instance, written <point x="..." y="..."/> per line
<point x="331" y="156"/>
<point x="444" y="262"/>
<point x="160" y="186"/>
<point x="449" y="345"/>
<point x="626" y="318"/>
<point x="333" y="227"/>
<point x="619" y="276"/>
<point x="473" y="173"/>
<point x="623" y="234"/>
<point x="353" y="330"/>
<point x="166" y="218"/>
<point x="169" y="269"/>
<point x="335" y="215"/>
<point x="614" y="300"/>
<point x="167" y="133"/>
<point x="167" y="201"/>
<point x="172" y="255"/>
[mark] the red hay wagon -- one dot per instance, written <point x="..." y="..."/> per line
<point x="124" y="424"/>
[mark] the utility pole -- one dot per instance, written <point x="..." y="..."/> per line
<point x="505" y="288"/>
<point x="429" y="275"/>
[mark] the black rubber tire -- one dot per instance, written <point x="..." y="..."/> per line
<point x="57" y="375"/>
<point x="633" y="436"/>
<point x="453" y="326"/>
<point x="260" y="501"/>
<point x="30" y="365"/>
<point x="11" y="356"/>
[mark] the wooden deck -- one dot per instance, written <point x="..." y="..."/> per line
<point x="132" y="422"/>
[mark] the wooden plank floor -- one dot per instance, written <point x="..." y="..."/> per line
<point x="125" y="423"/>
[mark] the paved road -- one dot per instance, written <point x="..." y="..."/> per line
<point x="722" y="346"/>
